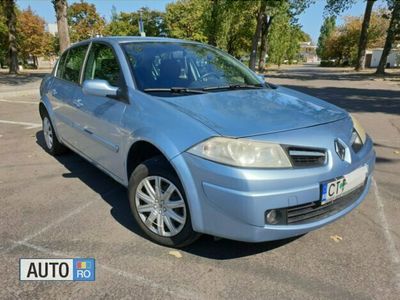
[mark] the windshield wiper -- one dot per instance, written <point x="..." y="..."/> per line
<point x="174" y="90"/>
<point x="234" y="87"/>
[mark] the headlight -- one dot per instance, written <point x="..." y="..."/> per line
<point x="358" y="136"/>
<point x="359" y="129"/>
<point x="242" y="153"/>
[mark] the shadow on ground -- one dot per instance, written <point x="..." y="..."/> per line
<point x="303" y="73"/>
<point x="19" y="79"/>
<point x="116" y="196"/>
<point x="356" y="100"/>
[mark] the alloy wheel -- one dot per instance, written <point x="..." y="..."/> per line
<point x="48" y="132"/>
<point x="160" y="206"/>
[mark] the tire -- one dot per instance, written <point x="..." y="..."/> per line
<point x="168" y="207"/>
<point x="52" y="144"/>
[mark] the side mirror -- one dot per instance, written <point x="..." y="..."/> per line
<point x="262" y="77"/>
<point x="98" y="87"/>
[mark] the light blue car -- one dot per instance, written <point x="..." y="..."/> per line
<point x="202" y="143"/>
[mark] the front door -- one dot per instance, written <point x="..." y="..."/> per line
<point x="100" y="116"/>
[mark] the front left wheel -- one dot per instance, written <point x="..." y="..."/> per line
<point x="159" y="205"/>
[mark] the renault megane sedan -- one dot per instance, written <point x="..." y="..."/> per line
<point x="202" y="143"/>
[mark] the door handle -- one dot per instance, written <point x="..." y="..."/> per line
<point x="87" y="131"/>
<point x="54" y="92"/>
<point x="77" y="102"/>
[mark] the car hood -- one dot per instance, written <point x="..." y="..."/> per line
<point x="241" y="113"/>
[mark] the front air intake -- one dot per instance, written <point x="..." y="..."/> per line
<point x="307" y="157"/>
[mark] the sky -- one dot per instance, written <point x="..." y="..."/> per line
<point x="311" y="19"/>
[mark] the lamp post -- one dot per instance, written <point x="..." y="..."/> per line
<point x="141" y="26"/>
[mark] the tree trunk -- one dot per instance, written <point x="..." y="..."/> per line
<point x="60" y="7"/>
<point x="35" y="62"/>
<point x="264" y="42"/>
<point x="391" y="35"/>
<point x="362" y="45"/>
<point x="212" y="35"/>
<point x="256" y="36"/>
<point x="9" y="9"/>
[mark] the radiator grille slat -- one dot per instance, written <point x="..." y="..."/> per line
<point x="307" y="157"/>
<point x="314" y="211"/>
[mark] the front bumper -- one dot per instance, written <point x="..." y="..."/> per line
<point x="231" y="202"/>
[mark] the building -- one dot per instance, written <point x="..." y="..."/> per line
<point x="52" y="28"/>
<point x="308" y="52"/>
<point x="373" y="57"/>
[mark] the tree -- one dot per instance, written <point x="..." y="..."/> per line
<point x="273" y="8"/>
<point x="267" y="10"/>
<point x="60" y="7"/>
<point x="212" y="26"/>
<point x="264" y="42"/>
<point x="393" y="32"/>
<point x="257" y="34"/>
<point x="284" y="38"/>
<point x="326" y="31"/>
<point x="3" y="37"/>
<point x="84" y="20"/>
<point x="342" y="44"/>
<point x="362" y="45"/>
<point x="184" y="19"/>
<point x="11" y="20"/>
<point x="237" y="27"/>
<point x="127" y="23"/>
<point x="32" y="39"/>
<point x="337" y="6"/>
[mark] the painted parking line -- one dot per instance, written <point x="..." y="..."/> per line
<point x="179" y="293"/>
<point x="394" y="255"/>
<point x="49" y="226"/>
<point x="19" y="102"/>
<point x="57" y="222"/>
<point x="27" y="125"/>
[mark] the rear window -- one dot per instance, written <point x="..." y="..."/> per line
<point x="70" y="64"/>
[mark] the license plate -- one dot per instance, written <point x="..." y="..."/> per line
<point x="338" y="187"/>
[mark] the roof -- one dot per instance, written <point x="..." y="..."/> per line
<point x="125" y="39"/>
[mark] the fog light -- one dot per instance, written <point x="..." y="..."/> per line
<point x="272" y="216"/>
<point x="276" y="216"/>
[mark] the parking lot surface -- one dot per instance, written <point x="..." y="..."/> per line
<point x="64" y="207"/>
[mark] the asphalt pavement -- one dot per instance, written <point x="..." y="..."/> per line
<point x="64" y="207"/>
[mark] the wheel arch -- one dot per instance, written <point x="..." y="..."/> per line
<point x="140" y="151"/>
<point x="45" y="108"/>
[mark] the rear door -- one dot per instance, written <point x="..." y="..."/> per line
<point x="63" y="91"/>
<point x="101" y="116"/>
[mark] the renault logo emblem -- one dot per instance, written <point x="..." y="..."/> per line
<point x="340" y="149"/>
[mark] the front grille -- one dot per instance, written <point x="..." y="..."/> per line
<point x="314" y="211"/>
<point x="307" y="157"/>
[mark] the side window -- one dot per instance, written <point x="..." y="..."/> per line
<point x="61" y="63"/>
<point x="102" y="64"/>
<point x="73" y="63"/>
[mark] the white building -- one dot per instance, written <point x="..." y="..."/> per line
<point x="52" y="28"/>
<point x="308" y="52"/>
<point x="374" y="55"/>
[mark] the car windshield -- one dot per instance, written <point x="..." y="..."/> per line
<point x="186" y="68"/>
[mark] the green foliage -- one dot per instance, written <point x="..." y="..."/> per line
<point x="335" y="7"/>
<point x="326" y="31"/>
<point x="31" y="36"/>
<point x="342" y="43"/>
<point x="84" y="20"/>
<point x="184" y="19"/>
<point x="284" y="38"/>
<point x="3" y="36"/>
<point x="128" y="23"/>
